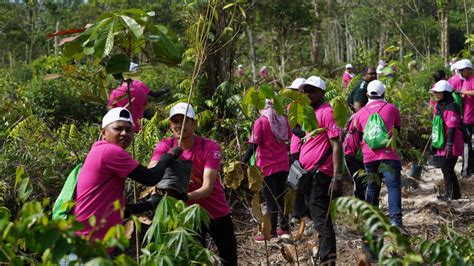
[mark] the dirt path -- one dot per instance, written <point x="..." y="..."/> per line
<point x="423" y="215"/>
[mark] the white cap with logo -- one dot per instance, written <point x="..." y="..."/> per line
<point x="463" y="63"/>
<point x="441" y="86"/>
<point x="348" y="66"/>
<point x="180" y="109"/>
<point x="117" y="114"/>
<point x="297" y="83"/>
<point x="375" y="88"/>
<point x="315" y="82"/>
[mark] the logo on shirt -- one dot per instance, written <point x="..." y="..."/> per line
<point x="216" y="155"/>
<point x="453" y="118"/>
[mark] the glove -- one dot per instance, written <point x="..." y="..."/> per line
<point x="335" y="188"/>
<point x="154" y="200"/>
<point x="176" y="152"/>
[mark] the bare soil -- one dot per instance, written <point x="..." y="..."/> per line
<point x="423" y="216"/>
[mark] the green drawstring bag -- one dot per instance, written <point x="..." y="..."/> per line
<point x="437" y="132"/>
<point x="375" y="132"/>
<point x="60" y="209"/>
<point x="458" y="101"/>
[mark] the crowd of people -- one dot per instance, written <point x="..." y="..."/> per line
<point x="361" y="145"/>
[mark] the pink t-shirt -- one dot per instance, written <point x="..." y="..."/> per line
<point x="100" y="183"/>
<point x="315" y="147"/>
<point x="390" y="115"/>
<point x="205" y="153"/>
<point x="295" y="144"/>
<point x="455" y="81"/>
<point x="468" y="101"/>
<point x="452" y="119"/>
<point x="352" y="140"/>
<point x="346" y="78"/>
<point x="139" y="92"/>
<point x="272" y="155"/>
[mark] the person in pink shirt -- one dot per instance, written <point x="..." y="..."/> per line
<point x="347" y="76"/>
<point x="205" y="186"/>
<point x="321" y="155"/>
<point x="446" y="107"/>
<point x="353" y="158"/>
<point x="455" y="80"/>
<point x="139" y="100"/>
<point x="101" y="180"/>
<point x="373" y="158"/>
<point x="269" y="138"/>
<point x="464" y="67"/>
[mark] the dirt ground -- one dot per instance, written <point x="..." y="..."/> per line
<point x="423" y="214"/>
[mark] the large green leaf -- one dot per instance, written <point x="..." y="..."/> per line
<point x="296" y="114"/>
<point x="118" y="63"/>
<point x="166" y="46"/>
<point x="295" y="96"/>
<point x="267" y="91"/>
<point x="309" y="119"/>
<point x="278" y="105"/>
<point x="247" y="101"/>
<point x="105" y="40"/>
<point x="134" y="27"/>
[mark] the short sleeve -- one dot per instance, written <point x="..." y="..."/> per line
<point x="213" y="156"/>
<point x="161" y="148"/>
<point x="118" y="161"/>
<point x="257" y="132"/>
<point x="333" y="130"/>
<point x="356" y="124"/>
<point x="451" y="119"/>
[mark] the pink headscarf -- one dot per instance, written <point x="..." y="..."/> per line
<point x="278" y="123"/>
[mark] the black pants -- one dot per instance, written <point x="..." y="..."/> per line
<point x="450" y="179"/>
<point x="300" y="207"/>
<point x="354" y="165"/>
<point x="274" y="193"/>
<point x="222" y="232"/>
<point x="319" y="207"/>
<point x="468" y="155"/>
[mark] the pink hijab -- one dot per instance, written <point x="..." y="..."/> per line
<point x="278" y="123"/>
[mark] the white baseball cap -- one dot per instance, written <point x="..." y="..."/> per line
<point x="133" y="67"/>
<point x="453" y="66"/>
<point x="117" y="114"/>
<point x="375" y="88"/>
<point x="180" y="109"/>
<point x="463" y="63"/>
<point x="441" y="86"/>
<point x="315" y="82"/>
<point x="348" y="66"/>
<point x="297" y="83"/>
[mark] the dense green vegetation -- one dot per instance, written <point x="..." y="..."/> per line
<point x="53" y="95"/>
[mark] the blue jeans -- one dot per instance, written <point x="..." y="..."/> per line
<point x="391" y="178"/>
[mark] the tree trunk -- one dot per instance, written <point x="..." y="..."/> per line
<point x="444" y="20"/>
<point x="400" y="36"/>
<point x="314" y="35"/>
<point x="349" y="41"/>
<point x="467" y="19"/>
<point x="253" y="53"/>
<point x="314" y="47"/>
<point x="56" y="46"/>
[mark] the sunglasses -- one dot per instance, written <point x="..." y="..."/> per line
<point x="372" y="73"/>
